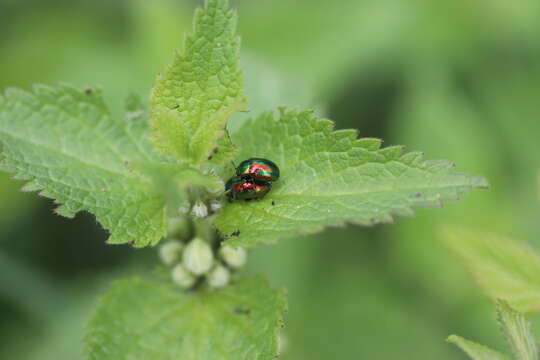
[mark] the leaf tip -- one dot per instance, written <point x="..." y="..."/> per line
<point x="453" y="339"/>
<point x="64" y="211"/>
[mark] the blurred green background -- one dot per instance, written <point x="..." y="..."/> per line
<point x="459" y="80"/>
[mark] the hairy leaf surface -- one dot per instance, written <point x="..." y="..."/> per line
<point x="140" y="319"/>
<point x="331" y="177"/>
<point x="517" y="331"/>
<point x="476" y="351"/>
<point x="201" y="89"/>
<point x="68" y="147"/>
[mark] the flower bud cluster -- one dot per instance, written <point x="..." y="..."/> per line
<point x="201" y="202"/>
<point x="195" y="262"/>
<point x="200" y="209"/>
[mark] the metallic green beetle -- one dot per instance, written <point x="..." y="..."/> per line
<point x="238" y="188"/>
<point x="258" y="169"/>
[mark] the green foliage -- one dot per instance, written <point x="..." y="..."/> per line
<point x="504" y="268"/>
<point x="66" y="144"/>
<point x="140" y="319"/>
<point x="474" y="350"/>
<point x="517" y="332"/>
<point x="174" y="180"/>
<point x="330" y="178"/>
<point x="201" y="89"/>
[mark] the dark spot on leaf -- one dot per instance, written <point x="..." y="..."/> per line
<point x="418" y="194"/>
<point x="88" y="91"/>
<point x="176" y="107"/>
<point x="214" y="151"/>
<point x="273" y="203"/>
<point x="236" y="233"/>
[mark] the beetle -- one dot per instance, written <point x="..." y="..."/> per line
<point x="258" y="169"/>
<point x="238" y="188"/>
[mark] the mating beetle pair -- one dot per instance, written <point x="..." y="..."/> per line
<point x="253" y="179"/>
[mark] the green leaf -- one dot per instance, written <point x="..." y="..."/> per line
<point x="474" y="350"/>
<point x="139" y="319"/>
<point x="503" y="268"/>
<point x="134" y="105"/>
<point x="224" y="151"/>
<point x="517" y="331"/>
<point x="173" y="180"/>
<point x="66" y="144"/>
<point x="330" y="178"/>
<point x="201" y="89"/>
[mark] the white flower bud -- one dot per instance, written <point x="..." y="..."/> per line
<point x="199" y="210"/>
<point x="170" y="251"/>
<point x="197" y="257"/>
<point x="182" y="277"/>
<point x="215" y="205"/>
<point x="219" y="277"/>
<point x="211" y="171"/>
<point x="234" y="257"/>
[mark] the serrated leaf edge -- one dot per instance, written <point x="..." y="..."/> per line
<point x="374" y="146"/>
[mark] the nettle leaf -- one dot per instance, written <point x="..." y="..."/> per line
<point x="134" y="105"/>
<point x="139" y="319"/>
<point x="502" y="267"/>
<point x="201" y="89"/>
<point x="224" y="152"/>
<point x="517" y="331"/>
<point x="330" y="178"/>
<point x="66" y="144"/>
<point x="173" y="180"/>
<point x="476" y="351"/>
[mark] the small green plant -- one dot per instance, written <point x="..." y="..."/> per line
<point x="503" y="268"/>
<point x="517" y="332"/>
<point x="158" y="174"/>
<point x="508" y="271"/>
